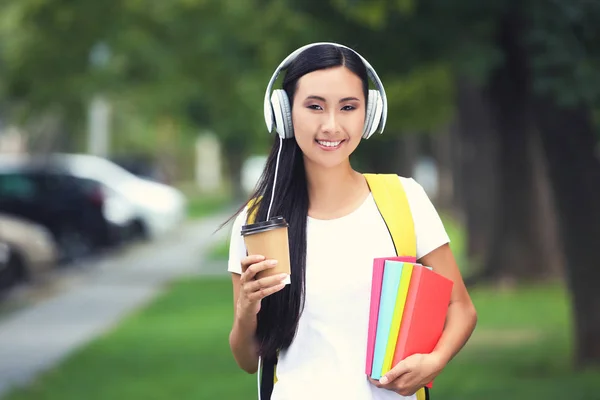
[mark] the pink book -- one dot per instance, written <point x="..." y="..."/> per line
<point x="378" y="264"/>
<point x="424" y="314"/>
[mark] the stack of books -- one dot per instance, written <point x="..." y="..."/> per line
<point x="409" y="303"/>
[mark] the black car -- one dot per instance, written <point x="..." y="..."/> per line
<point x="6" y="278"/>
<point x="70" y="208"/>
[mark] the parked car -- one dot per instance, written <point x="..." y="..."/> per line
<point x="142" y="166"/>
<point x="5" y="279"/>
<point x="158" y="208"/>
<point x="71" y="208"/>
<point x="28" y="251"/>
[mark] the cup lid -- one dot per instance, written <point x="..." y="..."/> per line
<point x="262" y="226"/>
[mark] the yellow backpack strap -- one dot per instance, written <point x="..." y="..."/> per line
<point x="390" y="197"/>
<point x="252" y="215"/>
<point x="423" y="394"/>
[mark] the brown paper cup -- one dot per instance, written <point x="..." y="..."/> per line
<point x="269" y="239"/>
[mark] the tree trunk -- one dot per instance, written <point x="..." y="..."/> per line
<point x="519" y="251"/>
<point x="546" y="227"/>
<point x="574" y="169"/>
<point x="407" y="147"/>
<point x="442" y="150"/>
<point x="476" y="165"/>
<point x="235" y="159"/>
<point x="395" y="154"/>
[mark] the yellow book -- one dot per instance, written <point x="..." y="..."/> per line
<point x="407" y="269"/>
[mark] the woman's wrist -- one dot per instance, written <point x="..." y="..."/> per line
<point x="245" y="318"/>
<point x="442" y="359"/>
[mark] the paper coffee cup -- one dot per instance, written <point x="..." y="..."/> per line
<point x="269" y="239"/>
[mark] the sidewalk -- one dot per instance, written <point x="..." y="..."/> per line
<point x="37" y="338"/>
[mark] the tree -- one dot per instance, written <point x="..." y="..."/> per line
<point x="565" y="58"/>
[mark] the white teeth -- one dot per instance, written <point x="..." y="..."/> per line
<point x="329" y="144"/>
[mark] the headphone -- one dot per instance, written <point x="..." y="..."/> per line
<point x="278" y="112"/>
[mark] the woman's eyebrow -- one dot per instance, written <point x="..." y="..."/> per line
<point x="314" y="97"/>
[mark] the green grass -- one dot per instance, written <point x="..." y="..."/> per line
<point x="220" y="251"/>
<point x="202" y="206"/>
<point x="521" y="349"/>
<point x="178" y="347"/>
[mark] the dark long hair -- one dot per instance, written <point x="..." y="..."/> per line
<point x="280" y="312"/>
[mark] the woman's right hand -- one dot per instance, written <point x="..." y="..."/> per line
<point x="253" y="290"/>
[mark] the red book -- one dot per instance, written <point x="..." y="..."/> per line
<point x="424" y="314"/>
<point x="378" y="264"/>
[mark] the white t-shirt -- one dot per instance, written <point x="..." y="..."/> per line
<point x="327" y="356"/>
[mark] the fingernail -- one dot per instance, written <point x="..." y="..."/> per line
<point x="272" y="262"/>
<point x="283" y="276"/>
<point x="384" y="380"/>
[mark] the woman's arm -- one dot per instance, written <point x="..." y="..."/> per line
<point x="241" y="339"/>
<point x="462" y="316"/>
<point x="247" y="295"/>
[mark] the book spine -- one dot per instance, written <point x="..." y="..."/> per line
<point x="374" y="312"/>
<point x="411" y="299"/>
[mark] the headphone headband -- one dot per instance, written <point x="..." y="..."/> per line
<point x="268" y="111"/>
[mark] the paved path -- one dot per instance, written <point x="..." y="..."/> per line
<point x="97" y="297"/>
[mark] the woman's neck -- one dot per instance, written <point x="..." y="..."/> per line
<point x="334" y="192"/>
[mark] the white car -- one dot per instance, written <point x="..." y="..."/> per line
<point x="153" y="208"/>
<point x="252" y="170"/>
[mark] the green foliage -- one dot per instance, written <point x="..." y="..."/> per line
<point x="565" y="50"/>
<point x="371" y="13"/>
<point x="421" y="100"/>
<point x="45" y="50"/>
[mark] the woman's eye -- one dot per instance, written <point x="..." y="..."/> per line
<point x="315" y="107"/>
<point x="348" y="108"/>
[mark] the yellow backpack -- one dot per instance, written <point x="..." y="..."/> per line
<point x="391" y="200"/>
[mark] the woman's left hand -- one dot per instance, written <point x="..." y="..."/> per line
<point x="411" y="374"/>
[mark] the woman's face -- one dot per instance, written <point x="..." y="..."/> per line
<point x="328" y="115"/>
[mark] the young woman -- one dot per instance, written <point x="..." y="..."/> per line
<point x="317" y="325"/>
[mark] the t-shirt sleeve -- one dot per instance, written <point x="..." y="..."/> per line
<point x="237" y="248"/>
<point x="429" y="228"/>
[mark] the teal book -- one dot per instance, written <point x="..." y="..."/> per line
<point x="389" y="291"/>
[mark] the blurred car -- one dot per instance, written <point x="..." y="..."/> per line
<point x="158" y="208"/>
<point x="28" y="251"/>
<point x="5" y="280"/>
<point x="143" y="166"/>
<point x="76" y="211"/>
<point x="252" y="170"/>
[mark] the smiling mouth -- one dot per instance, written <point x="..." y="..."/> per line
<point x="329" y="144"/>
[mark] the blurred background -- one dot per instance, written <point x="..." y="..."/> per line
<point x="130" y="130"/>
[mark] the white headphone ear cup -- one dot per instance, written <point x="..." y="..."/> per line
<point x="378" y="114"/>
<point x="374" y="112"/>
<point x="282" y="114"/>
<point x="371" y="103"/>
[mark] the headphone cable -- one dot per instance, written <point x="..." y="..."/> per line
<point x="258" y="376"/>
<point x="275" y="179"/>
